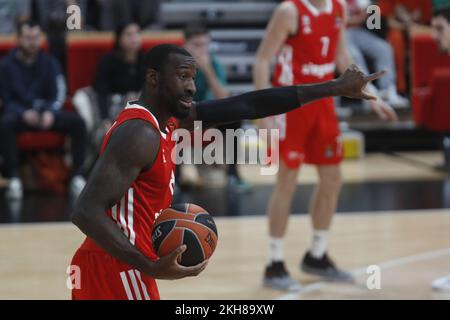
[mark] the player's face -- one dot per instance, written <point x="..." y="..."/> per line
<point x="177" y="85"/>
<point x="441" y="32"/>
<point x="30" y="40"/>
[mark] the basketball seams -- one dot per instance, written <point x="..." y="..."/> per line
<point x="213" y="231"/>
<point x="191" y="225"/>
<point x="198" y="240"/>
<point x="166" y="237"/>
<point x="201" y="244"/>
<point x="190" y="221"/>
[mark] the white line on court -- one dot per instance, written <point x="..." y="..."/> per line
<point x="384" y="265"/>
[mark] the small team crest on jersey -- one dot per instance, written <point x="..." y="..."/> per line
<point x="329" y="152"/>
<point x="294" y="155"/>
<point x="306" y="22"/>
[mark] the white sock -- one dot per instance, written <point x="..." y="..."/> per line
<point x="319" y="243"/>
<point x="276" y="249"/>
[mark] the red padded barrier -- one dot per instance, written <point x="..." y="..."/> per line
<point x="430" y="84"/>
<point x="438" y="113"/>
<point x="426" y="57"/>
<point x="84" y="55"/>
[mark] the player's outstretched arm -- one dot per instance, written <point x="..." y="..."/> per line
<point x="132" y="148"/>
<point x="263" y="103"/>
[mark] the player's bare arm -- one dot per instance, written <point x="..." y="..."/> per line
<point x="124" y="158"/>
<point x="282" y="24"/>
<point x="268" y="102"/>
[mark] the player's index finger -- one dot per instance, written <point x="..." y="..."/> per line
<point x="375" y="76"/>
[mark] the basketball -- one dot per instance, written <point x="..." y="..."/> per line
<point x="187" y="224"/>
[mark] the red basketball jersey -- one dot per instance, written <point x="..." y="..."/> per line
<point x="309" y="55"/>
<point x="152" y="190"/>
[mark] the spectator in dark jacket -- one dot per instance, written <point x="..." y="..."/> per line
<point x="120" y="73"/>
<point x="33" y="92"/>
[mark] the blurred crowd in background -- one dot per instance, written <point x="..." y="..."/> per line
<point x="33" y="87"/>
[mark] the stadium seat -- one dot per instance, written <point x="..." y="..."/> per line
<point x="430" y="84"/>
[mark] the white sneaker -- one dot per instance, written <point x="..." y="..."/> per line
<point x="76" y="185"/>
<point x="391" y="97"/>
<point x="15" y="189"/>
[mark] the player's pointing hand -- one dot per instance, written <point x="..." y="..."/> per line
<point x="353" y="84"/>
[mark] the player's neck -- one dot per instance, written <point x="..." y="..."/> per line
<point x="319" y="4"/>
<point x="151" y="104"/>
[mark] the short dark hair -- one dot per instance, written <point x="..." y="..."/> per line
<point x="23" y="23"/>
<point x="157" y="57"/>
<point x="193" y="30"/>
<point x="442" y="12"/>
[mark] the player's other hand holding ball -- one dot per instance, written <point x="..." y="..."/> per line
<point x="168" y="268"/>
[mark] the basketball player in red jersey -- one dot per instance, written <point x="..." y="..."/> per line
<point x="133" y="178"/>
<point x="308" y="39"/>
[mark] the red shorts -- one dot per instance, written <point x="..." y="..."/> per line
<point x="103" y="277"/>
<point x="310" y="134"/>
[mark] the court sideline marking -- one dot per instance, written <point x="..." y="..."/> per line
<point x="357" y="272"/>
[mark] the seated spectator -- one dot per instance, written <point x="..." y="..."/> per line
<point x="210" y="82"/>
<point x="120" y="73"/>
<point x="441" y="25"/>
<point x="402" y="15"/>
<point x="11" y="12"/>
<point x="33" y="92"/>
<point x="52" y="17"/>
<point x="366" y="44"/>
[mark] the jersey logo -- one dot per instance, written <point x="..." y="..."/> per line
<point x="294" y="155"/>
<point x="306" y="21"/>
<point x="329" y="152"/>
<point x="318" y="70"/>
<point x="285" y="61"/>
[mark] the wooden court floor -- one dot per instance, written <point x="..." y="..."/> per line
<point x="412" y="248"/>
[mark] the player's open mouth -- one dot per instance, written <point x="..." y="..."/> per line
<point x="186" y="102"/>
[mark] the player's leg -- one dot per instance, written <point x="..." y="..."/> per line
<point x="10" y="126"/>
<point x="322" y="209"/>
<point x="72" y="124"/>
<point x="280" y="202"/>
<point x="325" y="151"/>
<point x="279" y="208"/>
<point x="291" y="151"/>
<point x="324" y="200"/>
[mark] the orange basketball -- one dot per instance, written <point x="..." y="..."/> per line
<point x="187" y="224"/>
